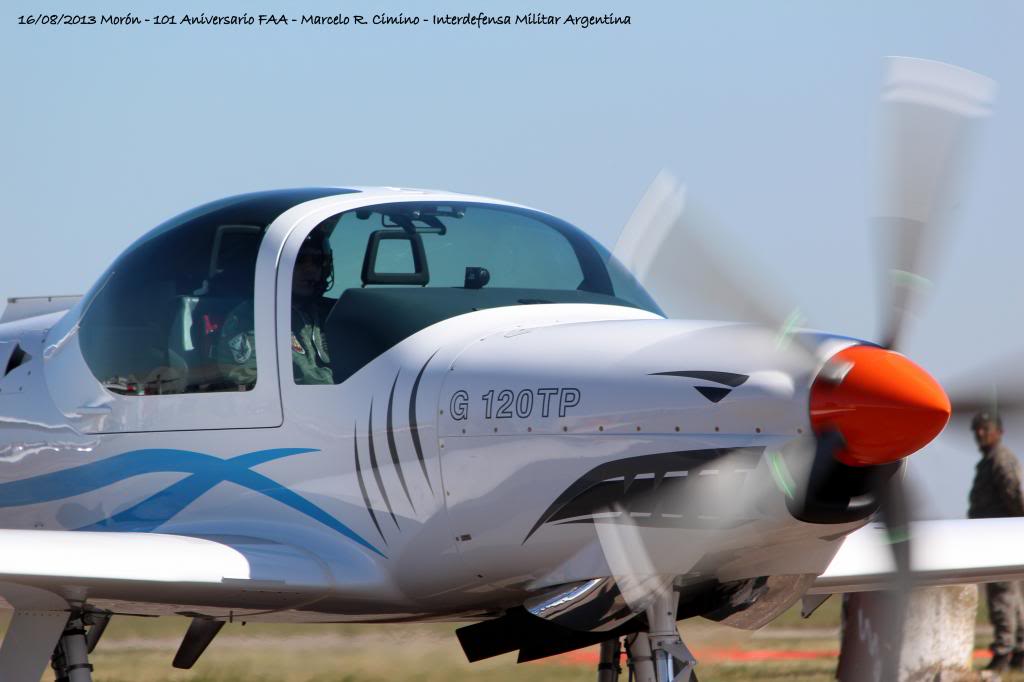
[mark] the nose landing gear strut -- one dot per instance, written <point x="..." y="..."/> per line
<point x="657" y="655"/>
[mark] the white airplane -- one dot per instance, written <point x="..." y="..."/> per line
<point x="389" y="405"/>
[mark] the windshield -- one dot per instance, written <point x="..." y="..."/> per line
<point x="382" y="273"/>
<point x="497" y="247"/>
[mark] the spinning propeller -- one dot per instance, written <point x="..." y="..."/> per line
<point x="870" y="407"/>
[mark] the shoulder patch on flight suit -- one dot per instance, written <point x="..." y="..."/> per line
<point x="241" y="349"/>
<point x="296" y="346"/>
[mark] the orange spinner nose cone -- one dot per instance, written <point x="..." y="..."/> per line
<point x="884" y="405"/>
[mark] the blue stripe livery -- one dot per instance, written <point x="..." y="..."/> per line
<point x="206" y="472"/>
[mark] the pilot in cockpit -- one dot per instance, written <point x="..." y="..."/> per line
<point x="311" y="362"/>
<point x="313" y="276"/>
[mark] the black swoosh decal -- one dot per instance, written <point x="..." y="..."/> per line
<point x="376" y="471"/>
<point x="713" y="393"/>
<point x="618" y="483"/>
<point x="413" y="424"/>
<point x="391" y="443"/>
<point x="362" y="484"/>
<point x="725" y="378"/>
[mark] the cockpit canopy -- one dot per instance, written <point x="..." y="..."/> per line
<point x="153" y="323"/>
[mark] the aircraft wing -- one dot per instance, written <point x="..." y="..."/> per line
<point x="139" y="572"/>
<point x="948" y="552"/>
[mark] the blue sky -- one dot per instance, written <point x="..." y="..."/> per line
<point x="765" y="109"/>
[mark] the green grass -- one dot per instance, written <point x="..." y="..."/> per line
<point x="136" y="649"/>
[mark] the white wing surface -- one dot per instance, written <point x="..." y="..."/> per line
<point x="945" y="553"/>
<point x="156" y="573"/>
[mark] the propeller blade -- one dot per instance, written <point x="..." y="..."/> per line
<point x="665" y="244"/>
<point x="639" y="536"/>
<point x="928" y="113"/>
<point x="994" y="387"/>
<point x="967" y="404"/>
<point x="830" y="485"/>
<point x="630" y="563"/>
<point x="895" y="514"/>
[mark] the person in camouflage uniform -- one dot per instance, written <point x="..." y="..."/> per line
<point x="997" y="493"/>
<point x="311" y="362"/>
<point x="314" y="275"/>
<point x="236" y="348"/>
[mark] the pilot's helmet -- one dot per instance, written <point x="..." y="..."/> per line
<point x="318" y="240"/>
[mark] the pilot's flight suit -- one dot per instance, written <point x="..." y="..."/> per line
<point x="311" y="363"/>
<point x="235" y="351"/>
<point x="997" y="493"/>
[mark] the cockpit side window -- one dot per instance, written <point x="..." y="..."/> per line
<point x="174" y="314"/>
<point x="398" y="268"/>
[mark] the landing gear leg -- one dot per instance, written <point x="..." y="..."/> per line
<point x="668" y="659"/>
<point x="71" y="657"/>
<point x="641" y="666"/>
<point x="608" y="667"/>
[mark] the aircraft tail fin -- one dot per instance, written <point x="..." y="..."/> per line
<point x="22" y="307"/>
